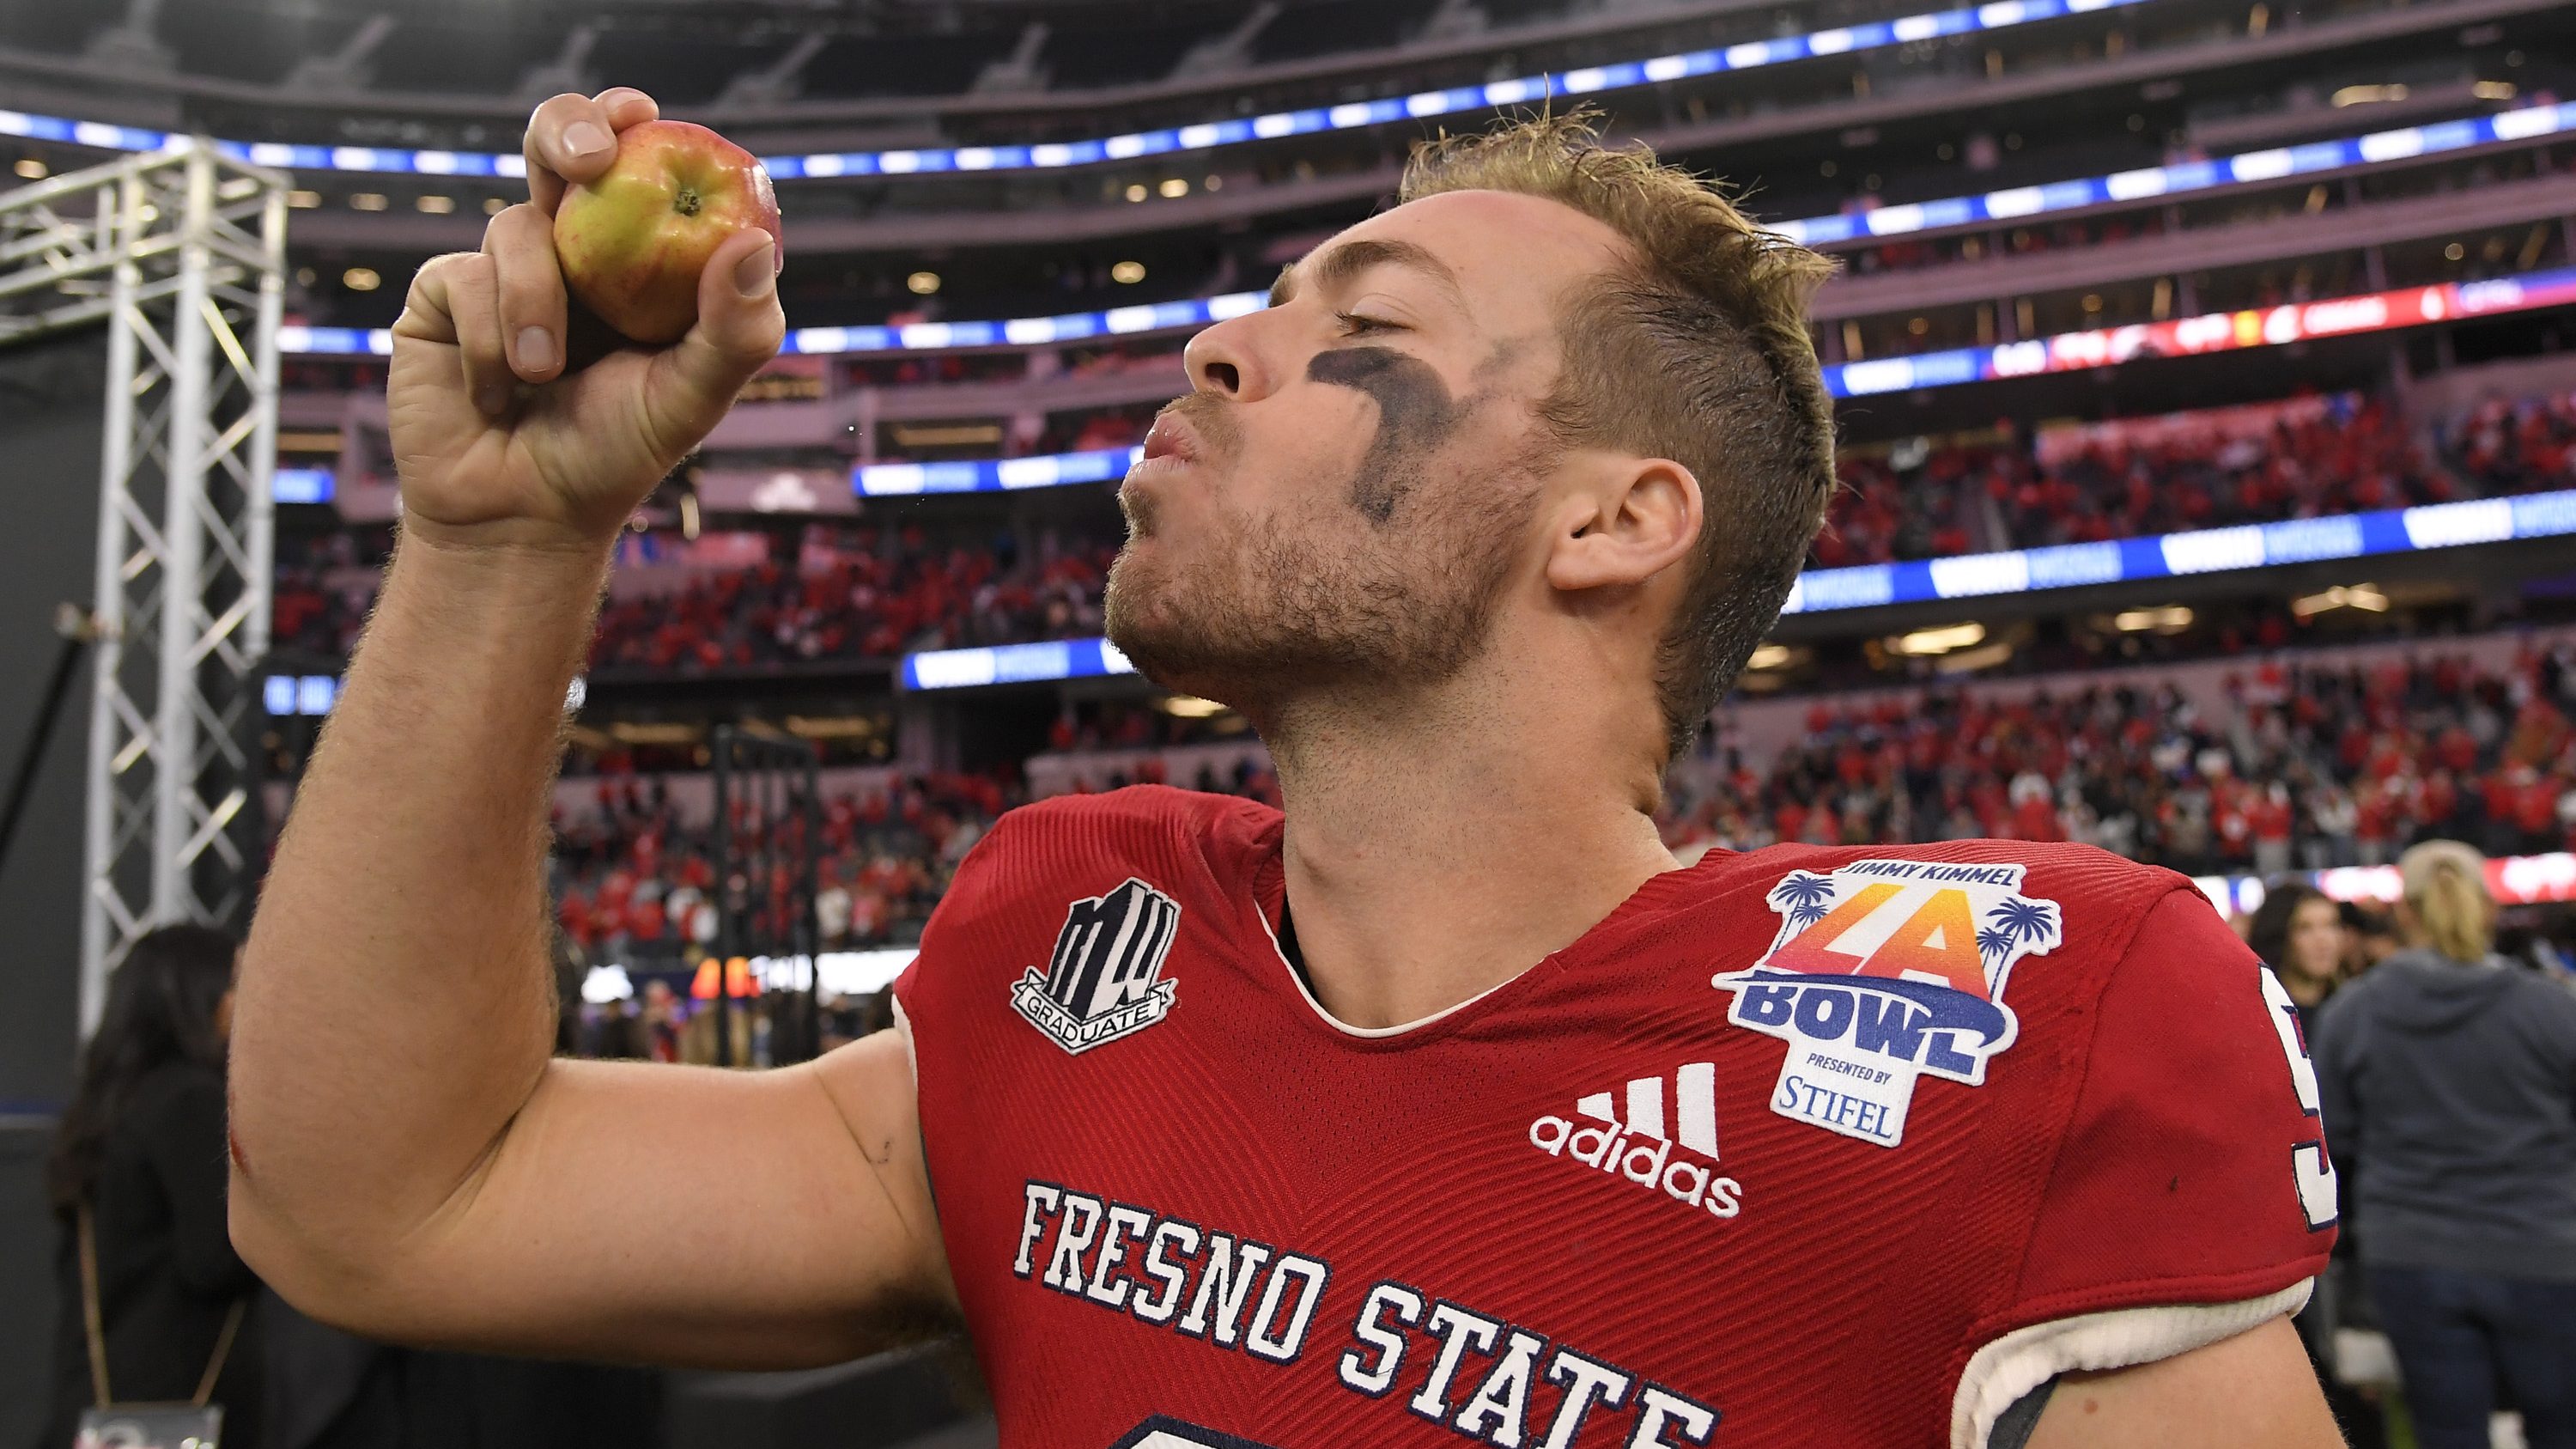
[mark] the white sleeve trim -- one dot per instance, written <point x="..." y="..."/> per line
<point x="903" y="1029"/>
<point x="2003" y="1371"/>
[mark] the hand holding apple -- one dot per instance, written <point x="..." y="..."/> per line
<point x="633" y="239"/>
<point x="504" y="432"/>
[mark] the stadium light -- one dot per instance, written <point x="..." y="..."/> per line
<point x="2365" y="597"/>
<point x="922" y="284"/>
<point x="1127" y="273"/>
<point x="31" y="168"/>
<point x="1926" y="642"/>
<point x="2171" y="619"/>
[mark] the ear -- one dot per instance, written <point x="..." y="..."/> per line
<point x="1626" y="520"/>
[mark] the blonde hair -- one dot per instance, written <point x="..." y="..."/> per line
<point x="1698" y="352"/>
<point x="2446" y="889"/>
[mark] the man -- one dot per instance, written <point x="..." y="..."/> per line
<point x="1448" y="1106"/>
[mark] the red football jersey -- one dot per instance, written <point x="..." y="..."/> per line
<point x="1764" y="1159"/>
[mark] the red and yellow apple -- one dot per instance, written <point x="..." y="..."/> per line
<point x="633" y="241"/>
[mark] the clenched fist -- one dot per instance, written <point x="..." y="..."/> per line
<point x="495" y="442"/>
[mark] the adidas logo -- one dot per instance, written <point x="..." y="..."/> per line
<point x="1636" y="1146"/>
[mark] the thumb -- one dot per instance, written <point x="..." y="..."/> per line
<point x="739" y="328"/>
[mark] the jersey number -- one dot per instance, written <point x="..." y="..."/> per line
<point x="2308" y="1164"/>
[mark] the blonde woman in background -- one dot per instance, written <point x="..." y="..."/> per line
<point x="2448" y="1084"/>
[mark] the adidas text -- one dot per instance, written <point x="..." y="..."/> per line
<point x="1626" y="1136"/>
<point x="1645" y="1161"/>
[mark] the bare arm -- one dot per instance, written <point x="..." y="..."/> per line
<point x="407" y="1159"/>
<point x="2253" y="1391"/>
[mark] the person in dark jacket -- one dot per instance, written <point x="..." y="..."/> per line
<point x="142" y="1145"/>
<point x="2299" y="933"/>
<point x="2447" y="1081"/>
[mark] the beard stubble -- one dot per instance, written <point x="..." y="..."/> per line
<point x="1253" y="614"/>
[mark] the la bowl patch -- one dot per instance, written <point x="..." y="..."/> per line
<point x="1884" y="971"/>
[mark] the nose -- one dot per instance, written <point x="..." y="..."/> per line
<point x="1226" y="359"/>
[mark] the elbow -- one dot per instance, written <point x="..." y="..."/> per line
<point x="279" y="1256"/>
<point x="331" y="1280"/>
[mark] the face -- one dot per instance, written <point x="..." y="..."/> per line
<point x="2316" y="938"/>
<point x="1351" y="488"/>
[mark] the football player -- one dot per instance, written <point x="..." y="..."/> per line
<point x="1447" y="1106"/>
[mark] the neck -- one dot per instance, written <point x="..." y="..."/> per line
<point x="2305" y="989"/>
<point x="1440" y="844"/>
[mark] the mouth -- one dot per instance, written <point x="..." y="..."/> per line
<point x="1171" y="438"/>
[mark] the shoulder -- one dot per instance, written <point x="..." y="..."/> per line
<point x="1180" y="853"/>
<point x="1136" y="810"/>
<point x="1146" y="828"/>
<point x="2543" y="998"/>
<point x="2345" y="1011"/>
<point x="2097" y="900"/>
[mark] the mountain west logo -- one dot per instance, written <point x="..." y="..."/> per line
<point x="1101" y="984"/>
<point x="1883" y="971"/>
<point x="1634" y="1144"/>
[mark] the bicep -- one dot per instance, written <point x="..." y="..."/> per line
<point x="2254" y="1388"/>
<point x="688" y="1216"/>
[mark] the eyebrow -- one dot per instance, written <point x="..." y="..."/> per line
<point x="1339" y="265"/>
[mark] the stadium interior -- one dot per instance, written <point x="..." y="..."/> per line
<point x="2203" y="375"/>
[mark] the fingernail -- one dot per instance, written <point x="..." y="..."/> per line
<point x="755" y="274"/>
<point x="536" y="349"/>
<point x="585" y="138"/>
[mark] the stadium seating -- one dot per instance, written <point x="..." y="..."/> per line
<point x="871" y="593"/>
<point x="2302" y="761"/>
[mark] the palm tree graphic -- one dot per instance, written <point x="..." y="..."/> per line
<point x="1802" y="895"/>
<point x="2017" y="919"/>
<point x="1993" y="944"/>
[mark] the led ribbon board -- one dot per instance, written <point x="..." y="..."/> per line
<point x="2066" y="352"/>
<point x="2014" y="204"/>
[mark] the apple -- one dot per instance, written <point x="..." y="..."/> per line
<point x="633" y="242"/>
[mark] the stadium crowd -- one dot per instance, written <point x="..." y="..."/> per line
<point x="2306" y="458"/>
<point x="866" y="593"/>
<point x="2305" y="766"/>
<point x="631" y="875"/>
<point x="827" y="591"/>
<point x="873" y="592"/>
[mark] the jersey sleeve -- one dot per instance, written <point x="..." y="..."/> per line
<point x="957" y="942"/>
<point x="2192" y="1168"/>
<point x="2190" y="1198"/>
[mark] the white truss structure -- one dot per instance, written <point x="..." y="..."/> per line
<point x="182" y="254"/>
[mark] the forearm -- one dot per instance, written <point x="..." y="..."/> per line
<point x="396" y="1005"/>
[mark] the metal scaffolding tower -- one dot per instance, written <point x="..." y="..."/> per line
<point x="182" y="254"/>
